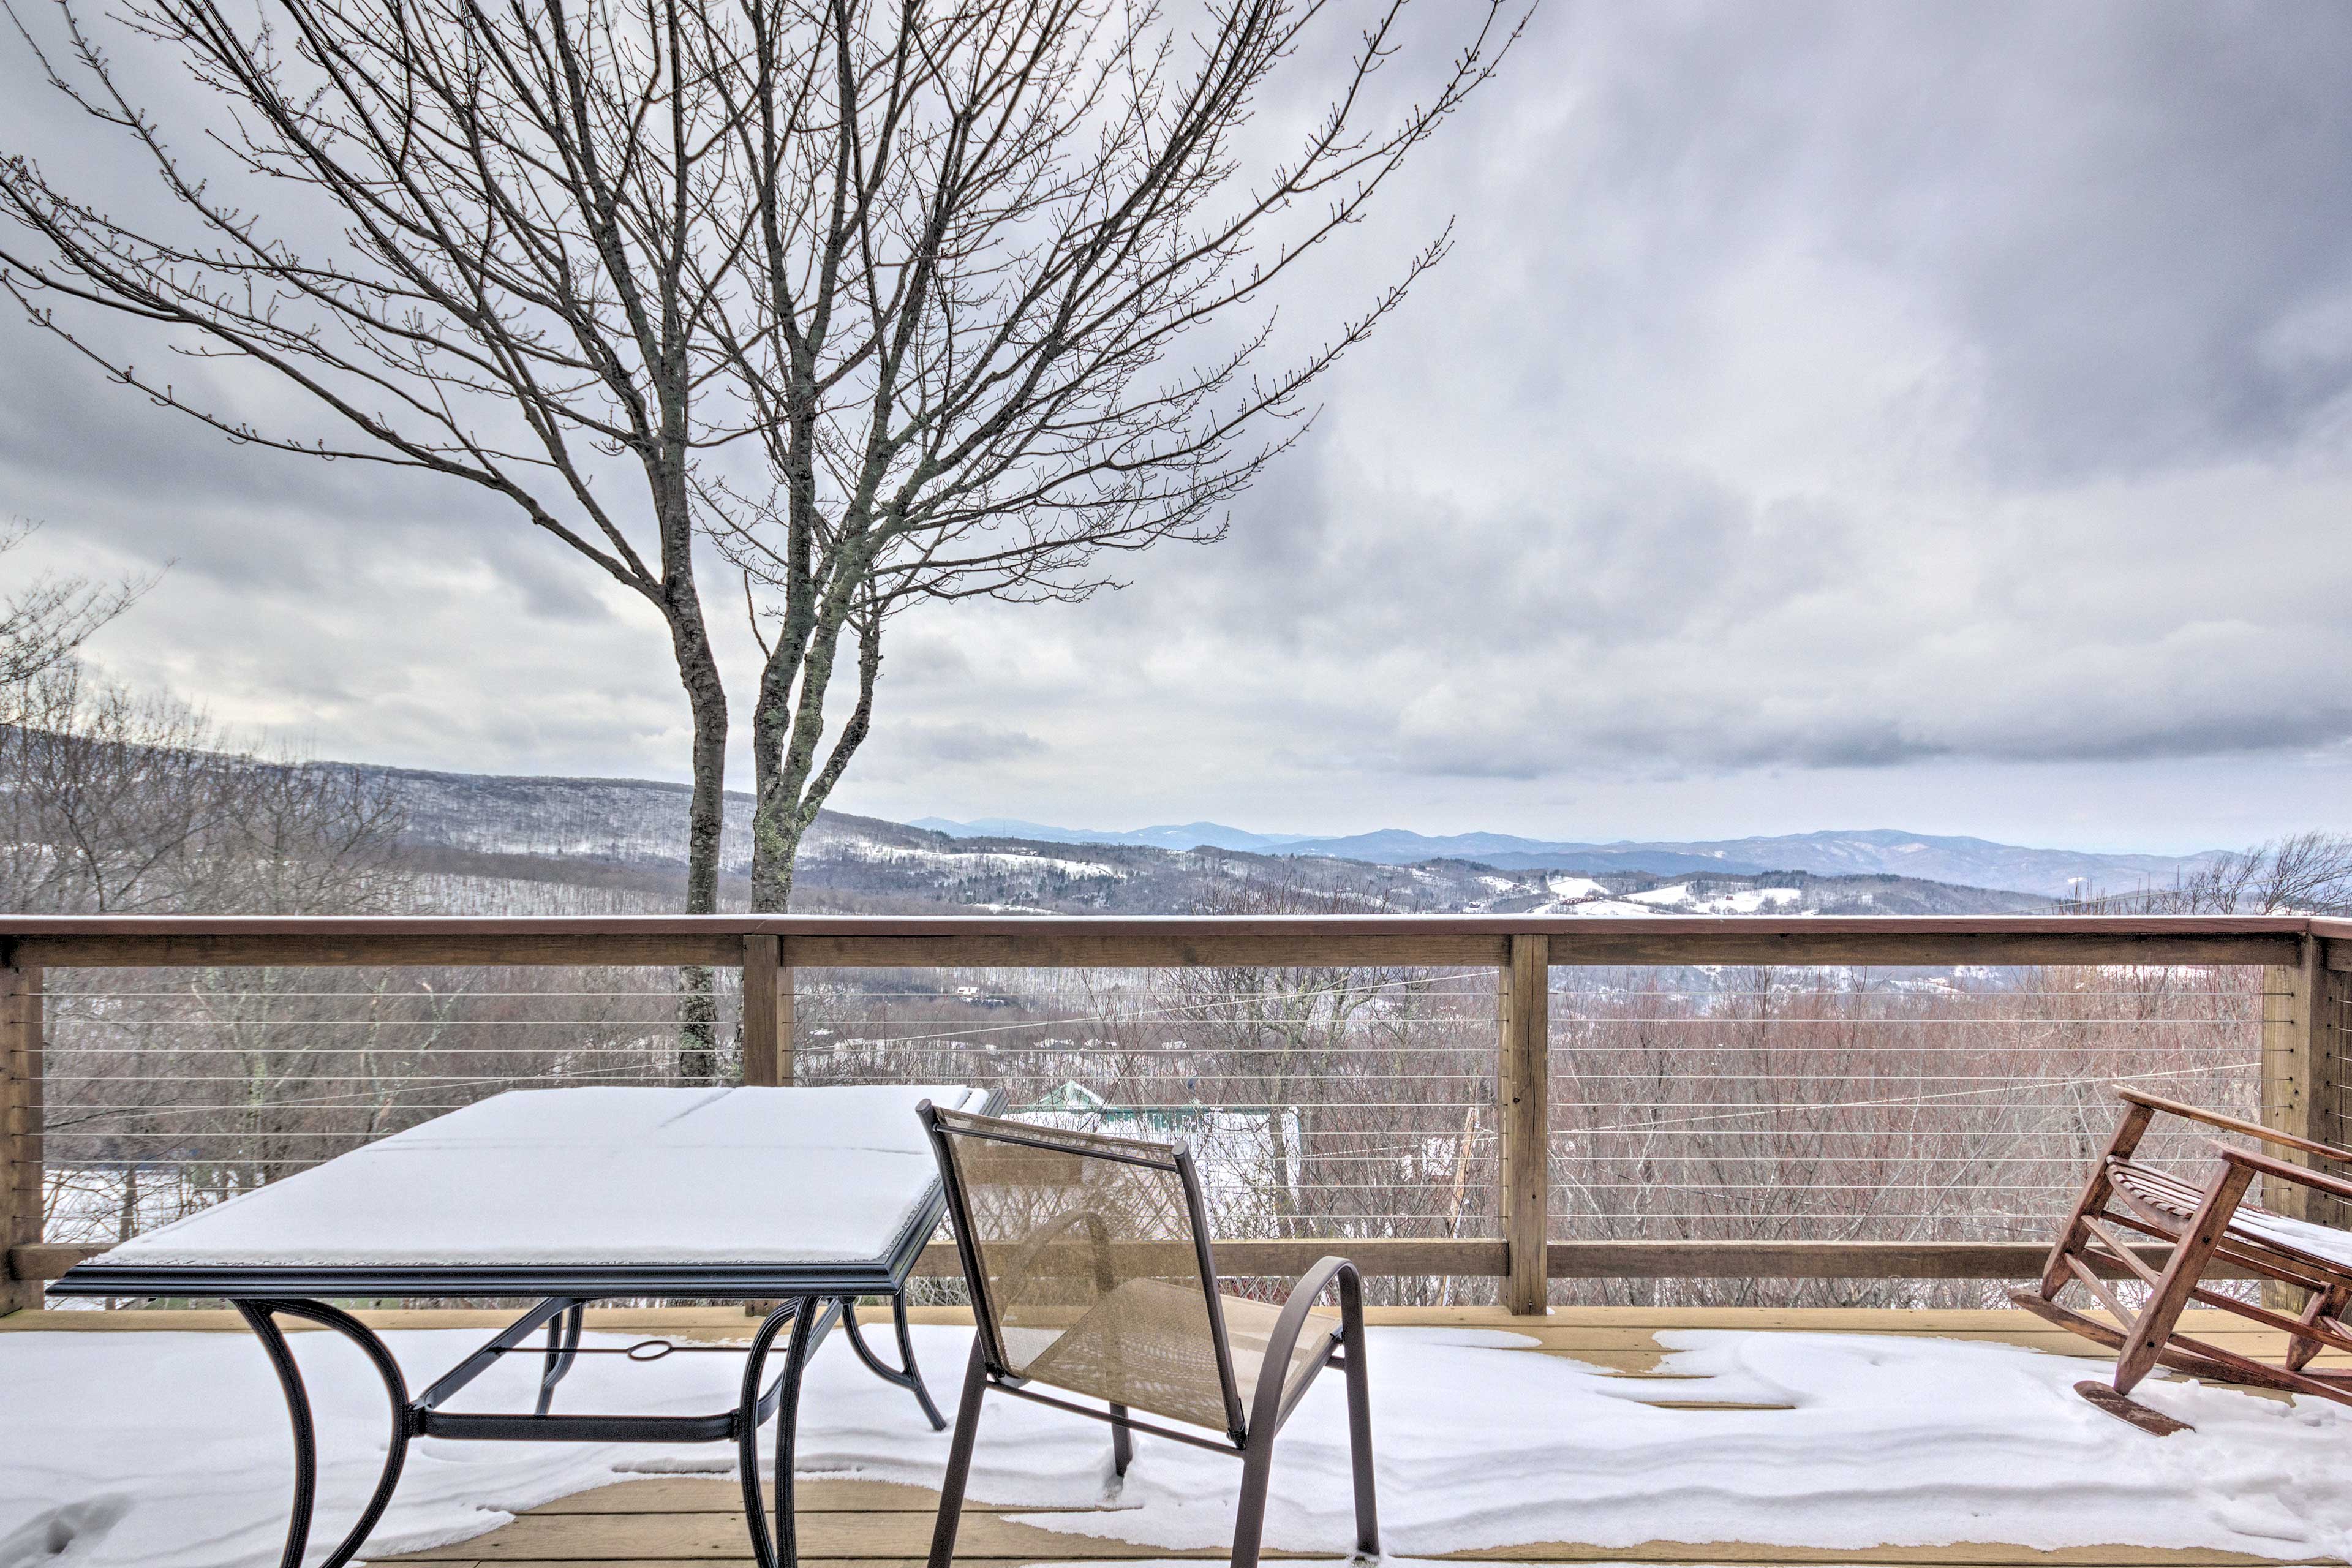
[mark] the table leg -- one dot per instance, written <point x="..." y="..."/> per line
<point x="809" y="1319"/>
<point x="563" y="1350"/>
<point x="261" y="1317"/>
<point x="907" y="1374"/>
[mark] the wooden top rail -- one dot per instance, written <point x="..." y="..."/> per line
<point x="2335" y="938"/>
<point x="1174" y="941"/>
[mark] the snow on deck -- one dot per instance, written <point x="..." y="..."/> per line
<point x="592" y="1176"/>
<point x="168" y="1449"/>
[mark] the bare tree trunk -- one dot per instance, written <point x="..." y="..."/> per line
<point x="776" y="830"/>
<point x="706" y="826"/>
<point x="775" y="850"/>
<point x="787" y="731"/>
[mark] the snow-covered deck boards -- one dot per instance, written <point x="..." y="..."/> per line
<point x="671" y="1522"/>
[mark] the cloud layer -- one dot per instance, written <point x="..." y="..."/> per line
<point x="1827" y="409"/>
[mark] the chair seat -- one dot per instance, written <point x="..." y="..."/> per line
<point x="1146" y="1345"/>
<point x="2324" y="1246"/>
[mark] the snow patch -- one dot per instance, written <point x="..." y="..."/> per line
<point x="168" y="1450"/>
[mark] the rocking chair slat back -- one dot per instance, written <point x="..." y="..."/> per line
<point x="2208" y="1223"/>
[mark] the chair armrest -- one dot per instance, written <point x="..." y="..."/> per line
<point x="1267" y="1405"/>
<point x="2232" y="1125"/>
<point x="2302" y="1177"/>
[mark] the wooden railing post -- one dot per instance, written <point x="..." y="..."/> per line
<point x="766" y="1014"/>
<point x="2303" y="1082"/>
<point x="20" y="1129"/>
<point x="1523" y="1082"/>
<point x="2326" y="1034"/>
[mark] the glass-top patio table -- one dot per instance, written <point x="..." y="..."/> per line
<point x="806" y="1197"/>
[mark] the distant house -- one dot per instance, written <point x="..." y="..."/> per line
<point x="1081" y="1109"/>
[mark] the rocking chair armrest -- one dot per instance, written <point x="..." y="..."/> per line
<point x="2301" y="1175"/>
<point x="2232" y="1124"/>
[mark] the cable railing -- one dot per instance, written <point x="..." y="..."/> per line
<point x="1885" y="1106"/>
<point x="161" y="1101"/>
<point x="1477" y="1109"/>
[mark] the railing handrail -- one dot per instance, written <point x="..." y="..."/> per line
<point x="2303" y="1071"/>
<point x="1239" y="925"/>
<point x="1151" y="941"/>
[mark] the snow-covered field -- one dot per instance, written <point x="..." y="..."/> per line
<point x="169" y="1450"/>
<point x="1583" y="896"/>
<point x="1742" y="901"/>
<point x="1601" y="909"/>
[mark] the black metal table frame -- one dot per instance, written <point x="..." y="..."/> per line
<point x="811" y="1300"/>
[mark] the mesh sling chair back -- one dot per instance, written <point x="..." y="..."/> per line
<point x="1091" y="1271"/>
<point x="2201" y="1221"/>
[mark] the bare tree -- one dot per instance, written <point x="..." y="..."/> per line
<point x="116" y="803"/>
<point x="49" y="617"/>
<point x="991" y="232"/>
<point x="109" y="799"/>
<point x="943" y="265"/>
<point x="2302" y="873"/>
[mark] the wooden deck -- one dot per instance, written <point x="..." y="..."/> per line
<point x="695" y="1522"/>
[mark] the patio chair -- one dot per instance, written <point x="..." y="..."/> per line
<point x="1090" y="1272"/>
<point x="2205" y="1225"/>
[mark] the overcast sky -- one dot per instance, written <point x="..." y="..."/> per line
<point x="1918" y="415"/>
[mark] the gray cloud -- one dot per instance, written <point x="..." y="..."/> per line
<point x="968" y="742"/>
<point x="1932" y="414"/>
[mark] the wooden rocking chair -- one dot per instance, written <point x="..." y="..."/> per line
<point x="2207" y="1226"/>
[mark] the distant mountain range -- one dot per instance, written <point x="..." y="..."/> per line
<point x="1973" y="862"/>
<point x="570" y="846"/>
<point x="637" y="822"/>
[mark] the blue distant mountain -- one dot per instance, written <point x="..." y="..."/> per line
<point x="1884" y="851"/>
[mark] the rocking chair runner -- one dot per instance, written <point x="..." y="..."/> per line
<point x="1091" y="1271"/>
<point x="2207" y="1224"/>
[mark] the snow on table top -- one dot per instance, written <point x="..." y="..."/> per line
<point x="593" y="1177"/>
